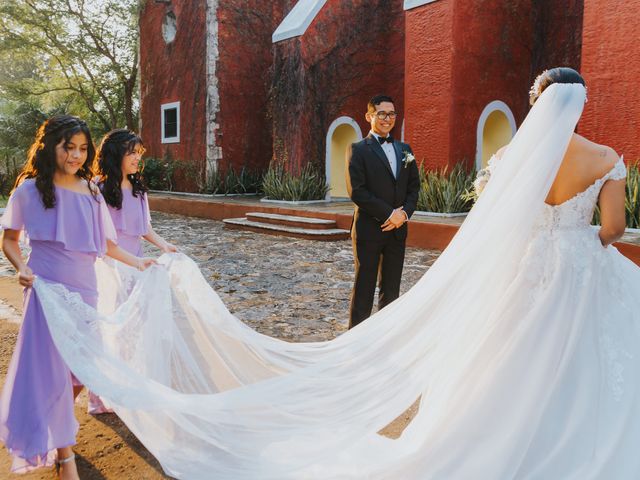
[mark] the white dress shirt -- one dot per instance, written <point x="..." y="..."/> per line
<point x="390" y="152"/>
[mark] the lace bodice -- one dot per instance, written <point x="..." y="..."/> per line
<point x="578" y="210"/>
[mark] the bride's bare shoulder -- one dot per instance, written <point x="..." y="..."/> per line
<point x="598" y="158"/>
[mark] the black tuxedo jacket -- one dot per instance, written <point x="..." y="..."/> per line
<point x="376" y="192"/>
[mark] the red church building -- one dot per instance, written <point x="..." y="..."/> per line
<point x="237" y="83"/>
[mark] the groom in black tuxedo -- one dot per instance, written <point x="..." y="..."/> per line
<point x="383" y="182"/>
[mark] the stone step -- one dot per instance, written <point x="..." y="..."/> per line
<point x="326" y="235"/>
<point x="292" y="221"/>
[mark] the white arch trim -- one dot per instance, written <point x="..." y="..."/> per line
<point x="332" y="128"/>
<point x="298" y="20"/>
<point x="409" y="4"/>
<point x="488" y="110"/>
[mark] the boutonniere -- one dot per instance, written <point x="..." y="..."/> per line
<point x="408" y="158"/>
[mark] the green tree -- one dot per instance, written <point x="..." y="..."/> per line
<point x="82" y="54"/>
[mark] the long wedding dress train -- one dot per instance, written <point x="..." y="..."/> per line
<point x="521" y="341"/>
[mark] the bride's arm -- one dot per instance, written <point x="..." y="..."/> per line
<point x="612" y="211"/>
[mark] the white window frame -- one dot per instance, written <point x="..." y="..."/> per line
<point x="169" y="106"/>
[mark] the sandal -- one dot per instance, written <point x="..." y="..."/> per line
<point x="61" y="462"/>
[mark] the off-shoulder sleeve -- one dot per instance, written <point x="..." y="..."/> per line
<point x="618" y="172"/>
<point x="13" y="216"/>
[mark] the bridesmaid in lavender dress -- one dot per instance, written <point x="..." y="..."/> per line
<point x="68" y="226"/>
<point x="124" y="190"/>
<point x="117" y="165"/>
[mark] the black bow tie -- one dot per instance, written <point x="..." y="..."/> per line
<point x="388" y="139"/>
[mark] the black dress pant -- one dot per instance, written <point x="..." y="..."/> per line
<point x="384" y="259"/>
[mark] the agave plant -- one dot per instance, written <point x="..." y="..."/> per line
<point x="279" y="184"/>
<point x="232" y="183"/>
<point x="445" y="191"/>
<point x="632" y="201"/>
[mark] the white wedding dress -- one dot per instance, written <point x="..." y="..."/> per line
<point x="522" y="342"/>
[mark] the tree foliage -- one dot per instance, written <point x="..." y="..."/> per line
<point x="78" y="55"/>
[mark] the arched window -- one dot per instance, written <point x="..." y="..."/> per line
<point x="343" y="132"/>
<point x="496" y="128"/>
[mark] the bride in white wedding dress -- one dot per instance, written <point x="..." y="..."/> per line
<point x="522" y="342"/>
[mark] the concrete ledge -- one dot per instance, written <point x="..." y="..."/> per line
<point x="216" y="209"/>
<point x="428" y="235"/>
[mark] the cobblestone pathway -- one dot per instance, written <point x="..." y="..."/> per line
<point x="284" y="287"/>
<point x="293" y="289"/>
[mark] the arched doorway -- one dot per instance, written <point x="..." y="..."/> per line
<point x="496" y="128"/>
<point x="343" y="132"/>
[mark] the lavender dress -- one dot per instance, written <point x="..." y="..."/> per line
<point x="131" y="221"/>
<point x="36" y="404"/>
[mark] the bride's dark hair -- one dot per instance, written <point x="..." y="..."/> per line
<point x="108" y="165"/>
<point x="41" y="158"/>
<point x="551" y="76"/>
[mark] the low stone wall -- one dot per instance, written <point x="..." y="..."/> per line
<point x="422" y="233"/>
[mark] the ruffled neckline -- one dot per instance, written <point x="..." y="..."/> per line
<point x="79" y="221"/>
<point x="133" y="218"/>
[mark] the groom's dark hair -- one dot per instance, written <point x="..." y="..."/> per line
<point x="377" y="100"/>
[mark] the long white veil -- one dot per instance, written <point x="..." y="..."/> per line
<point x="211" y="398"/>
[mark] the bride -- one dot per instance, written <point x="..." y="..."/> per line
<point x="522" y="343"/>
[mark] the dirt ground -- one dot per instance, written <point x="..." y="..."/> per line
<point x="106" y="449"/>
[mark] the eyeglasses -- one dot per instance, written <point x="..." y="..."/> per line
<point x="382" y="115"/>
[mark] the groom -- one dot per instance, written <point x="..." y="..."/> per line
<point x="383" y="182"/>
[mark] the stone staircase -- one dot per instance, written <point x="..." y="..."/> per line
<point x="288" y="225"/>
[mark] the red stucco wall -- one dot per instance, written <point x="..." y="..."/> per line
<point x="174" y="72"/>
<point x="243" y="71"/>
<point x="350" y="52"/>
<point x="464" y="54"/>
<point x="428" y="81"/>
<point x="492" y="61"/>
<point x="177" y="72"/>
<point x="611" y="66"/>
<point x="557" y="34"/>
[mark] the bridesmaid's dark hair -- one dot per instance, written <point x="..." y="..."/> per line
<point x="551" y="76"/>
<point x="41" y="158"/>
<point x="108" y="165"/>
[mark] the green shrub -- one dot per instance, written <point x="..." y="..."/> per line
<point x="632" y="202"/>
<point x="444" y="191"/>
<point x="232" y="183"/>
<point x="158" y="173"/>
<point x="280" y="184"/>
